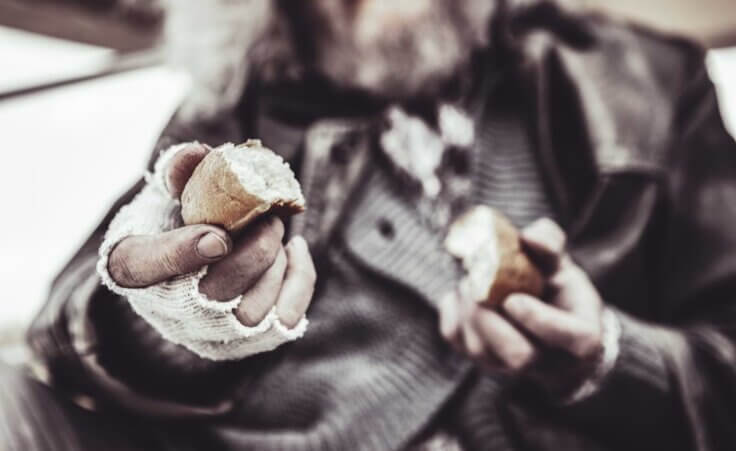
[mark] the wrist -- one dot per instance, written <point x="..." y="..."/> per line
<point x="606" y="360"/>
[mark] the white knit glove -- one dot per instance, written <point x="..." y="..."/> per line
<point x="176" y="308"/>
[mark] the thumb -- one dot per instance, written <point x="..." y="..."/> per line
<point x="143" y="260"/>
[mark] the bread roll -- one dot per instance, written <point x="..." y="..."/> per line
<point x="490" y="249"/>
<point x="233" y="185"/>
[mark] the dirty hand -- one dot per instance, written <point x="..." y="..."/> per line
<point x="255" y="264"/>
<point x="557" y="341"/>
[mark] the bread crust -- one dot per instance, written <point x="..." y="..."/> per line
<point x="516" y="273"/>
<point x="496" y="266"/>
<point x="214" y="195"/>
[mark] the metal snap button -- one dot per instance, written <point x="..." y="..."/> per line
<point x="386" y="229"/>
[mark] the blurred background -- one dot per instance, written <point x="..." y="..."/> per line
<point x="85" y="91"/>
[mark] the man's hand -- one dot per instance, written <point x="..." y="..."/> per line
<point x="256" y="265"/>
<point x="557" y="342"/>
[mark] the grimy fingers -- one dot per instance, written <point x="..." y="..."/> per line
<point x="261" y="298"/>
<point x="298" y="288"/>
<point x="182" y="165"/>
<point x="554" y="327"/>
<point x="503" y="341"/>
<point x="251" y="257"/>
<point x="143" y="260"/>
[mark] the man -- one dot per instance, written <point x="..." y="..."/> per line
<point x="398" y="117"/>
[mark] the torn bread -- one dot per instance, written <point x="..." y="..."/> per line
<point x="234" y="185"/>
<point x="490" y="250"/>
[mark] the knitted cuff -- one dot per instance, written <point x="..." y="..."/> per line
<point x="176" y="308"/>
<point x="611" y="349"/>
<point x="636" y="394"/>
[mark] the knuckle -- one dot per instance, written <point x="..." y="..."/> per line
<point x="171" y="262"/>
<point x="212" y="287"/>
<point x="255" y="257"/>
<point x="120" y="270"/>
<point x="264" y="250"/>
<point x="587" y="344"/>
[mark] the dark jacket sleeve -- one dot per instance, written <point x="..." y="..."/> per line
<point x="674" y="384"/>
<point x="93" y="344"/>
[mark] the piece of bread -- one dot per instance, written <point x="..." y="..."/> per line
<point x="234" y="185"/>
<point x="490" y="250"/>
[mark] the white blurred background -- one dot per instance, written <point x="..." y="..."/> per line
<point x="68" y="152"/>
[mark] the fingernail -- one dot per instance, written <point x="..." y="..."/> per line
<point x="211" y="246"/>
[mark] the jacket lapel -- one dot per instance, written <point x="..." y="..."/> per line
<point x="589" y="110"/>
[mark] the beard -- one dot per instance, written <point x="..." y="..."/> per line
<point x="396" y="49"/>
<point x="392" y="49"/>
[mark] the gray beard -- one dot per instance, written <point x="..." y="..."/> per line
<point x="408" y="59"/>
<point x="397" y="60"/>
<point x="221" y="42"/>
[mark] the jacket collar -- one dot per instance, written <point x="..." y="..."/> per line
<point x="587" y="104"/>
